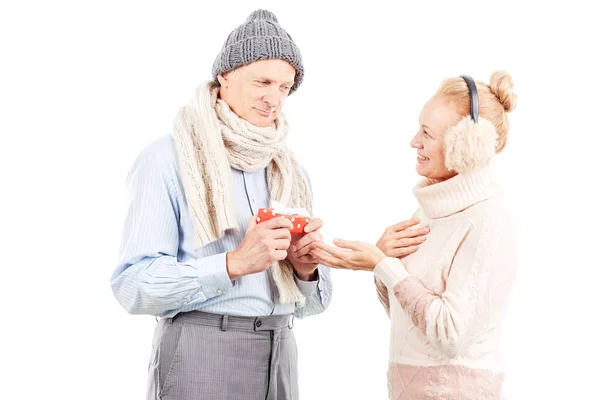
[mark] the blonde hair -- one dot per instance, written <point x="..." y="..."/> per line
<point x="495" y="101"/>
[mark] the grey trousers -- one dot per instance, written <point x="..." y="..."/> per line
<point x="201" y="356"/>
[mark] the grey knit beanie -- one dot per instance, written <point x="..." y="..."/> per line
<point x="259" y="38"/>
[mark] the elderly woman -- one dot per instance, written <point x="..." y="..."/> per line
<point x="447" y="299"/>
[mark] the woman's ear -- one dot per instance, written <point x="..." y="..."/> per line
<point x="469" y="146"/>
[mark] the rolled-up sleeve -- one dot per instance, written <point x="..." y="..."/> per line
<point x="318" y="293"/>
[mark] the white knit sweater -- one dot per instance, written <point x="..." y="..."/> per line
<point x="449" y="297"/>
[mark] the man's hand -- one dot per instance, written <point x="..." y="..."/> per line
<point x="400" y="240"/>
<point x="263" y="244"/>
<point x="299" y="253"/>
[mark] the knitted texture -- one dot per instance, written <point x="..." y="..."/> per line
<point x="447" y="300"/>
<point x="211" y="139"/>
<point x="259" y="38"/>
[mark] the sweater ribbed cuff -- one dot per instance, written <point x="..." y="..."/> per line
<point x="390" y="271"/>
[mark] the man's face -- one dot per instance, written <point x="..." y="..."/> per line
<point x="256" y="92"/>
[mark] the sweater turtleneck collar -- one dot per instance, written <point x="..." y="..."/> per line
<point x="440" y="199"/>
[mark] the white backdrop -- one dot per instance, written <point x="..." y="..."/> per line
<point x="86" y="85"/>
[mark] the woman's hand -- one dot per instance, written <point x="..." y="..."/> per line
<point x="400" y="240"/>
<point x="348" y="255"/>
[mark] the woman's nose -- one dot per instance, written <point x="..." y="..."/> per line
<point x="415" y="143"/>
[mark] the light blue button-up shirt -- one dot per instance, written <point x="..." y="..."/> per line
<point x="159" y="272"/>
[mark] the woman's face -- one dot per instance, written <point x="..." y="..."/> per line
<point x="436" y="117"/>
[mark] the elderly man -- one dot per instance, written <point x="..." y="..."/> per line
<point x="225" y="286"/>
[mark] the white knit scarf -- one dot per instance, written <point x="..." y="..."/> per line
<point x="210" y="139"/>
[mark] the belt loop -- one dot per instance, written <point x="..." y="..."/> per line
<point x="224" y="323"/>
<point x="291" y="322"/>
<point x="173" y="318"/>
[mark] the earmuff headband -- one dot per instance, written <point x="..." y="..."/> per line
<point x="474" y="97"/>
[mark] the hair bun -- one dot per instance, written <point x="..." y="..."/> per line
<point x="501" y="85"/>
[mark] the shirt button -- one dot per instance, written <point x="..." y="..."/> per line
<point x="219" y="291"/>
<point x="258" y="323"/>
